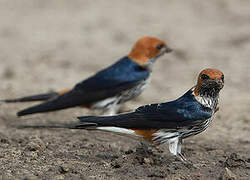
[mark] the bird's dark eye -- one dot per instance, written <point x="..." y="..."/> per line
<point x="222" y="77"/>
<point x="160" y="46"/>
<point x="204" y="76"/>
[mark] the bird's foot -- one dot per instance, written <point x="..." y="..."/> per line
<point x="185" y="161"/>
<point x="182" y="157"/>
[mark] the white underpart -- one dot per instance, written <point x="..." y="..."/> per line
<point x="117" y="130"/>
<point x="207" y="101"/>
<point x="104" y="103"/>
<point x="110" y="105"/>
<point x="173" y="145"/>
<point x="161" y="135"/>
<point x="171" y="138"/>
<point x="135" y="91"/>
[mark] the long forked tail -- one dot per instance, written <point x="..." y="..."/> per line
<point x="103" y="123"/>
<point x="99" y="120"/>
<point x="86" y="122"/>
<point x="59" y="126"/>
<point x="37" y="97"/>
<point x="118" y="124"/>
<point x="67" y="100"/>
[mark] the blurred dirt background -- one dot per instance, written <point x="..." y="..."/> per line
<point x="51" y="45"/>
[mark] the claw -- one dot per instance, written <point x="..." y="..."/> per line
<point x="182" y="157"/>
<point x="185" y="161"/>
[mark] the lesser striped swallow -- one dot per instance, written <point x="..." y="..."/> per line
<point x="169" y="122"/>
<point x="109" y="87"/>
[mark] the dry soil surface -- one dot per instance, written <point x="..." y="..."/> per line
<point x="51" y="45"/>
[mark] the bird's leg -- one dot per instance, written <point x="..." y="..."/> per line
<point x="180" y="155"/>
<point x="111" y="110"/>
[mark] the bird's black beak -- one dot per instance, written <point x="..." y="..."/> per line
<point x="215" y="84"/>
<point x="220" y="83"/>
<point x="168" y="49"/>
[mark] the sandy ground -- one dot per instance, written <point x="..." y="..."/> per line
<point x="51" y="45"/>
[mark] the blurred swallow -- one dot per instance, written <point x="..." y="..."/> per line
<point x="169" y="122"/>
<point x="109" y="87"/>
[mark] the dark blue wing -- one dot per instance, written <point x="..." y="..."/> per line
<point x="122" y="75"/>
<point x="184" y="111"/>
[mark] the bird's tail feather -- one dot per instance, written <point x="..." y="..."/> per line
<point x="60" y="126"/>
<point x="44" y="107"/>
<point x="98" y="120"/>
<point x="103" y="123"/>
<point x="38" y="97"/>
<point x="63" y="101"/>
<point x="85" y="122"/>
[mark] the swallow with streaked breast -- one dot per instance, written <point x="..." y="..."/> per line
<point x="116" y="84"/>
<point x="169" y="122"/>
